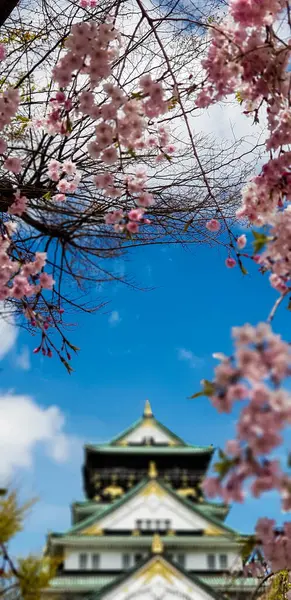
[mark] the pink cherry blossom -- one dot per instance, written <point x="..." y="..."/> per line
<point x="230" y="262"/>
<point x="145" y="199"/>
<point x="213" y="225"/>
<point x="46" y="281"/>
<point x="3" y="146"/>
<point x="109" y="156"/>
<point x="19" y="205"/>
<point x="132" y="227"/>
<point x="136" y="214"/>
<point x="13" y="164"/>
<point x="241" y="241"/>
<point x="2" y="52"/>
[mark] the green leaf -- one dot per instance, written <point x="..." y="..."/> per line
<point x="248" y="547"/>
<point x="47" y="196"/>
<point x="173" y="102"/>
<point x="242" y="268"/>
<point x="169" y="158"/>
<point x="197" y="395"/>
<point x="137" y="95"/>
<point x="22" y="119"/>
<point x="131" y="153"/>
<point x="208" y="389"/>
<point x="260" y="240"/>
<point x="223" y="465"/>
<point x="239" y="97"/>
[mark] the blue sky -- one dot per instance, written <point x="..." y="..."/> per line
<point x="145" y="344"/>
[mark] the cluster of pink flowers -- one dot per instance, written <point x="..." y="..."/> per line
<point x="243" y="59"/>
<point x="88" y="51"/>
<point x="123" y="125"/>
<point x="57" y="120"/>
<point x="133" y="186"/>
<point x="19" y="205"/>
<point x="88" y="3"/>
<point x="267" y="191"/>
<point x="17" y="279"/>
<point x="9" y="102"/>
<point x="2" y="52"/>
<point x="66" y="176"/>
<point x="259" y="356"/>
<point x="276" y="544"/>
<point x="276" y="256"/>
<point x="121" y="121"/>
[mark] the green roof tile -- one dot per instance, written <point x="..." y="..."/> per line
<point x="87" y="582"/>
<point x="108" y="449"/>
<point x="128" y="541"/>
<point x="96" y="582"/>
<point x="230" y="581"/>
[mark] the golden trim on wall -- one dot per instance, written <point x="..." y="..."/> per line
<point x="152" y="472"/>
<point x="157" y="544"/>
<point x="158" y="567"/>
<point x="213" y="531"/>
<point x="93" y="530"/>
<point x="153" y="488"/>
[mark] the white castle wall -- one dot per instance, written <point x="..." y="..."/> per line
<point x="153" y="507"/>
<point x="138" y="435"/>
<point x="194" y="560"/>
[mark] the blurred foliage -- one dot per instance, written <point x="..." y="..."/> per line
<point x="22" y="578"/>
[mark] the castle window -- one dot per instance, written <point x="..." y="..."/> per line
<point x="95" y="561"/>
<point x="139" y="524"/>
<point x="148" y="524"/>
<point x="211" y="561"/>
<point x="125" y="561"/>
<point x="83" y="561"/>
<point x="158" y="524"/>
<point x="167" y="524"/>
<point x="181" y="560"/>
<point x="223" y="561"/>
<point x="137" y="558"/>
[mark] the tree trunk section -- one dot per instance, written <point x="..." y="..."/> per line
<point x="6" y="8"/>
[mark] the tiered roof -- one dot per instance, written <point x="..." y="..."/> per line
<point x="88" y="514"/>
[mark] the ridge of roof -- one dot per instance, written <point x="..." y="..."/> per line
<point x="186" y="448"/>
<point x="97" y="515"/>
<point x="80" y="504"/>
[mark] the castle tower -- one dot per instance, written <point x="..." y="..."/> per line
<point x="145" y="531"/>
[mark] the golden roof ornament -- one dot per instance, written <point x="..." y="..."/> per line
<point x="114" y="491"/>
<point x="152" y="472"/>
<point x="186" y="491"/>
<point x="147" y="411"/>
<point x="157" y="544"/>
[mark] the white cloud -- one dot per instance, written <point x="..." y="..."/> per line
<point x="23" y="359"/>
<point x="114" y="318"/>
<point x="195" y="362"/>
<point x="8" y="332"/>
<point x="23" y="426"/>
